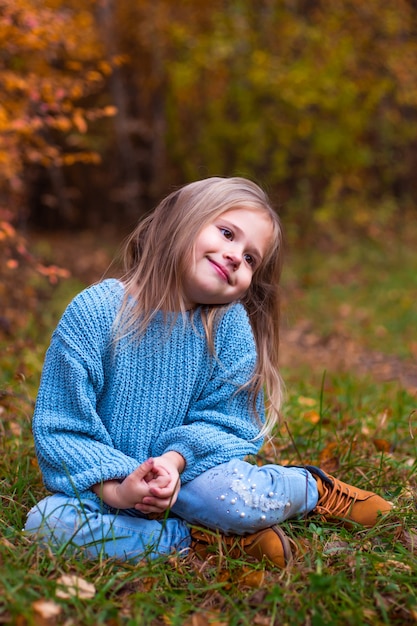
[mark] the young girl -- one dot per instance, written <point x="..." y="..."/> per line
<point x="155" y="389"/>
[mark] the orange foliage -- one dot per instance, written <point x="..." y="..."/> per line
<point x="51" y="61"/>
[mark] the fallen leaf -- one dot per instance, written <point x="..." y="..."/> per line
<point x="409" y="538"/>
<point x="225" y="577"/>
<point x="328" y="460"/>
<point x="148" y="583"/>
<point x="370" y="615"/>
<point x="391" y="563"/>
<point x="262" y="620"/>
<point x="306" y="401"/>
<point x="5" y="542"/>
<point x="46" y="612"/>
<point x="258" y="598"/>
<point x="15" y="428"/>
<point x="202" y="618"/>
<point x="336" y="546"/>
<point x="197" y="619"/>
<point x="331" y="466"/>
<point x="254" y="579"/>
<point x="413" y="613"/>
<point x="312" y="416"/>
<point x="74" y="586"/>
<point x="382" y="445"/>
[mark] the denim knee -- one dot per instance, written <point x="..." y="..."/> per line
<point x="240" y="498"/>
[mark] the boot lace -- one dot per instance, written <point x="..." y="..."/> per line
<point x="336" y="500"/>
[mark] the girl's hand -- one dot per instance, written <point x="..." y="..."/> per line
<point x="161" y="497"/>
<point x="131" y="491"/>
<point x="151" y="488"/>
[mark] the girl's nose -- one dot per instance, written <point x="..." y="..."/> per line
<point x="234" y="258"/>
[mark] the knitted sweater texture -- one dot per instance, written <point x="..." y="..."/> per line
<point x="104" y="407"/>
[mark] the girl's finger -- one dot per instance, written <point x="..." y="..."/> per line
<point x="148" y="508"/>
<point x="164" y="492"/>
<point x="162" y="482"/>
<point x="159" y="502"/>
<point x="143" y="470"/>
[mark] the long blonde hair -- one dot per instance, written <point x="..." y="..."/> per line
<point x="156" y="256"/>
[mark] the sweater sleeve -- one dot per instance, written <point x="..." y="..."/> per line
<point x="73" y="446"/>
<point x="220" y="424"/>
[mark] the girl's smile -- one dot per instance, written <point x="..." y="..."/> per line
<point x="226" y="254"/>
<point x="222" y="271"/>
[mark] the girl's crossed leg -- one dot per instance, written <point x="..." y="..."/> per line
<point x="68" y="523"/>
<point x="234" y="498"/>
<point x="240" y="498"/>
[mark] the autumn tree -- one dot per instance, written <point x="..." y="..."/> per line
<point x="316" y="101"/>
<point x="51" y="63"/>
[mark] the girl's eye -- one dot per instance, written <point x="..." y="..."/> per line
<point x="226" y="233"/>
<point x="249" y="259"/>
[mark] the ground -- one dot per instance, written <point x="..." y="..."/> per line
<point x="301" y="345"/>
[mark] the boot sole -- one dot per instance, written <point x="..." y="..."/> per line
<point x="286" y="545"/>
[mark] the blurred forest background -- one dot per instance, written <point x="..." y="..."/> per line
<point x="107" y="105"/>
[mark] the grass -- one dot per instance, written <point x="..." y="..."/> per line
<point x="363" y="431"/>
<point x="364" y="290"/>
<point x="342" y="576"/>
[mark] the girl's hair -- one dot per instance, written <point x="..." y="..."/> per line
<point x="161" y="247"/>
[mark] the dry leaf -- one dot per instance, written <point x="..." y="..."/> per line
<point x="409" y="538"/>
<point x="148" y="583"/>
<point x="74" y="586"/>
<point x="336" y="546"/>
<point x="382" y="445"/>
<point x="391" y="563"/>
<point x="257" y="599"/>
<point x="202" y="618"/>
<point x="306" y="401"/>
<point x="311" y="416"/>
<point x="15" y="428"/>
<point x="5" y="542"/>
<point x="197" y="619"/>
<point x="262" y="620"/>
<point x="254" y="579"/>
<point x="370" y="615"/>
<point x="328" y="460"/>
<point x="224" y="576"/>
<point x="216" y="618"/>
<point x="46" y="612"/>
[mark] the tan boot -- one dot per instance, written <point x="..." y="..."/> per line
<point x="271" y="543"/>
<point x="338" y="500"/>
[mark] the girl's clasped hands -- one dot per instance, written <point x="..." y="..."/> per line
<point x="151" y="488"/>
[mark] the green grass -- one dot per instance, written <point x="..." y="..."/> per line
<point x="341" y="576"/>
<point x="365" y="290"/>
<point x="362" y="430"/>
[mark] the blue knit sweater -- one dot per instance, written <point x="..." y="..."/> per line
<point x="104" y="407"/>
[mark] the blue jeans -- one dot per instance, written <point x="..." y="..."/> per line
<point x="235" y="498"/>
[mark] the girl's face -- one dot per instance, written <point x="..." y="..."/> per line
<point x="226" y="254"/>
